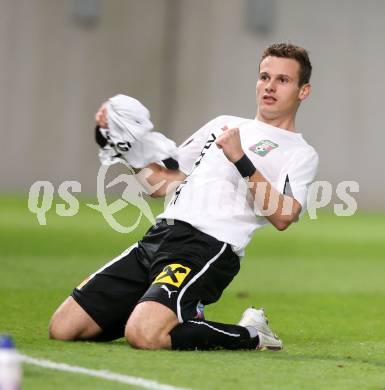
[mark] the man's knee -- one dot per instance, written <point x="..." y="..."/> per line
<point x="137" y="337"/>
<point x="71" y="322"/>
<point x="149" y="326"/>
<point x="57" y="330"/>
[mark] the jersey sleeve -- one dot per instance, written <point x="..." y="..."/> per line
<point x="299" y="174"/>
<point x="189" y="150"/>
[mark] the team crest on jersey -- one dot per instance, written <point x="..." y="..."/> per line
<point x="263" y="147"/>
<point x="173" y="274"/>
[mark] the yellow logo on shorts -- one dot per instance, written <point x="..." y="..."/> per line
<point x="173" y="274"/>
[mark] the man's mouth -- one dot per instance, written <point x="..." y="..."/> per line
<point x="269" y="99"/>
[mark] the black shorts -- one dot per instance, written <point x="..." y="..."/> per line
<point x="176" y="265"/>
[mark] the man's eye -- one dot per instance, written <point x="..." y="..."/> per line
<point x="263" y="77"/>
<point x="283" y="80"/>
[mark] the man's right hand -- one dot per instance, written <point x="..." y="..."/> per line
<point x="101" y="116"/>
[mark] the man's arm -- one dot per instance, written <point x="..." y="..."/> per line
<point x="286" y="208"/>
<point x="283" y="209"/>
<point x="164" y="180"/>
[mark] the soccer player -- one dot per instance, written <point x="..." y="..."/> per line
<point x="236" y="175"/>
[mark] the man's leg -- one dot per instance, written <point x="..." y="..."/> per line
<point x="252" y="332"/>
<point x="100" y="306"/>
<point x="149" y="326"/>
<point x="71" y="322"/>
<point x="205" y="335"/>
<point x="187" y="266"/>
<point x="197" y="269"/>
<point x="152" y="325"/>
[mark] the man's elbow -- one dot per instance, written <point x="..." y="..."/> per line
<point x="162" y="191"/>
<point x="282" y="225"/>
<point x="158" y="193"/>
<point x="284" y="221"/>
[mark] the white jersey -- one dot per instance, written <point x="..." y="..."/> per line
<point x="216" y="200"/>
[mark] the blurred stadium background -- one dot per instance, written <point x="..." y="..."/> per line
<point x="189" y="61"/>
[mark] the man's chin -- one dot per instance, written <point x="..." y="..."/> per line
<point x="269" y="113"/>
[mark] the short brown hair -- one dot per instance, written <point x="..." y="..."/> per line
<point x="287" y="50"/>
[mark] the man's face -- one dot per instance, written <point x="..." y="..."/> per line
<point x="278" y="92"/>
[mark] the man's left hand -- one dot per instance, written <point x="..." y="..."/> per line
<point x="230" y="142"/>
<point x="101" y="116"/>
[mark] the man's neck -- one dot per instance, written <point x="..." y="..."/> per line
<point x="286" y="123"/>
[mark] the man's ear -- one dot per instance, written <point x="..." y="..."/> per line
<point x="304" y="91"/>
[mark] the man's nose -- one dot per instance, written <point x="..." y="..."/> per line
<point x="270" y="86"/>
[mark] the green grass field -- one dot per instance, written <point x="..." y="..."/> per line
<point x="321" y="282"/>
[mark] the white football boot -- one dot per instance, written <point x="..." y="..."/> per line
<point x="256" y="319"/>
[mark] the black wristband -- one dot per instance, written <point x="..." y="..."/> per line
<point x="245" y="167"/>
<point x="171" y="163"/>
<point x="99" y="137"/>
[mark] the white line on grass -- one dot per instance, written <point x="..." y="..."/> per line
<point x="103" y="374"/>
